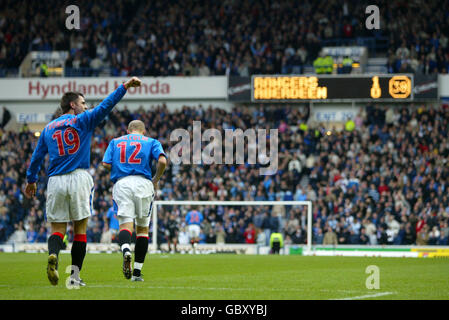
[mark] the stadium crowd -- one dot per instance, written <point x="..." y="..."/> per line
<point x="163" y="38"/>
<point x="383" y="183"/>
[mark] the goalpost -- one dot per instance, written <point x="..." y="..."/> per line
<point x="157" y="203"/>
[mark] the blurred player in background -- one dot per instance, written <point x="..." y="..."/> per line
<point x="171" y="233"/>
<point x="276" y="242"/>
<point x="193" y="220"/>
<point x="129" y="158"/>
<point x="112" y="220"/>
<point x="70" y="187"/>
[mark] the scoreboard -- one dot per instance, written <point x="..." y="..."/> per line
<point x="295" y="88"/>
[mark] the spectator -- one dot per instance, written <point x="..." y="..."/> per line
<point x="6" y="117"/>
<point x="203" y="70"/>
<point x="370" y="230"/>
<point x="382" y="236"/>
<point x="444" y="227"/>
<point x="31" y="235"/>
<point x="250" y="234"/>
<point x="353" y="237"/>
<point x="434" y="236"/>
<point x="393" y="226"/>
<point x="297" y="236"/>
<point x="292" y="224"/>
<point x="221" y="235"/>
<point x="422" y="237"/>
<point x="106" y="236"/>
<point x="288" y="240"/>
<point x="318" y="238"/>
<point x="442" y="240"/>
<point x="183" y="236"/>
<point x="42" y="235"/>
<point x="202" y="237"/>
<point x="95" y="235"/>
<point x="409" y="235"/>
<point x="363" y="237"/>
<point x="330" y="237"/>
<point x="261" y="240"/>
<point x="342" y="234"/>
<point x="211" y="237"/>
<point x="19" y="234"/>
<point x="279" y="212"/>
<point x="232" y="236"/>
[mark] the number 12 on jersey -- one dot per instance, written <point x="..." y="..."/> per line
<point x="132" y="158"/>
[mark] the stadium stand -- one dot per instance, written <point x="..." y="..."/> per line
<point x="240" y="38"/>
<point x="383" y="183"/>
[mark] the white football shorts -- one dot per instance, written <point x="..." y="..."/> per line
<point x="134" y="197"/>
<point x="70" y="196"/>
<point x="194" y="231"/>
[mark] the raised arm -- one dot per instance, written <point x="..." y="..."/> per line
<point x="93" y="117"/>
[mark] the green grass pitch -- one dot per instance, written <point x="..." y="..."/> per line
<point x="228" y="277"/>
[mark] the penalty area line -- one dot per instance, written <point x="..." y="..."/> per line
<point x="380" y="294"/>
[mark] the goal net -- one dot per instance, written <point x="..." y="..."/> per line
<point x="223" y="211"/>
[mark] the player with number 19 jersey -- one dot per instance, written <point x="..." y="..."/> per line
<point x="67" y="139"/>
<point x="70" y="187"/>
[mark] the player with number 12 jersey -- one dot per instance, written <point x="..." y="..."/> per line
<point x="129" y="158"/>
<point x="131" y="155"/>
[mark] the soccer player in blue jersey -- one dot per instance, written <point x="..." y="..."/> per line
<point x="129" y="158"/>
<point x="70" y="187"/>
<point x="194" y="218"/>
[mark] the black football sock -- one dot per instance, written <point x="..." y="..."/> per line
<point x="55" y="243"/>
<point x="78" y="251"/>
<point x="141" y="250"/>
<point x="124" y="239"/>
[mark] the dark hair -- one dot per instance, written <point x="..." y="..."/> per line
<point x="57" y="113"/>
<point x="67" y="98"/>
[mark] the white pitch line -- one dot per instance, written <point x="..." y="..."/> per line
<point x="380" y="294"/>
<point x="215" y="289"/>
<point x="200" y="288"/>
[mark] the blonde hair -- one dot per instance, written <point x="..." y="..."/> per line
<point x="136" y="125"/>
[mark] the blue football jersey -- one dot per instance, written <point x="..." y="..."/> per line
<point x="67" y="139"/>
<point x="194" y="217"/>
<point x="131" y="155"/>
